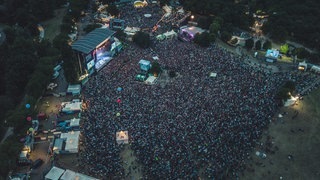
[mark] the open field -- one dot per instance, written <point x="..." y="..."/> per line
<point x="52" y="26"/>
<point x="296" y="136"/>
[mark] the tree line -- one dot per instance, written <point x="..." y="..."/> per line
<point x="27" y="65"/>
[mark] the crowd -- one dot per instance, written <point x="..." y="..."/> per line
<point x="190" y="126"/>
<point x="193" y="123"/>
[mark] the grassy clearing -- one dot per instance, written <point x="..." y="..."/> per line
<point x="52" y="26"/>
<point x="299" y="137"/>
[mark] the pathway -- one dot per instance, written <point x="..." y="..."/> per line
<point x="308" y="88"/>
<point x="9" y="132"/>
<point x="133" y="170"/>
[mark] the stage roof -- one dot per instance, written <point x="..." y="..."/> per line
<point x="92" y="40"/>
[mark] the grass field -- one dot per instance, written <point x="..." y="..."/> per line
<point x="52" y="26"/>
<point x="296" y="136"/>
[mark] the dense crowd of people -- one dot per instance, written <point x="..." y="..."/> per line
<point x="193" y="125"/>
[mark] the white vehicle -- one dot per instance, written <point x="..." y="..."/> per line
<point x="55" y="75"/>
<point x="51" y="86"/>
<point x="57" y="68"/>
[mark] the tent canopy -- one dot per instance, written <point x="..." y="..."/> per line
<point x="72" y="141"/>
<point x="54" y="174"/>
<point x="75" y="89"/>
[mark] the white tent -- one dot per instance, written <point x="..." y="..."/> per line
<point x="71" y="107"/>
<point x="122" y="137"/>
<point x="151" y="80"/>
<point x="68" y="175"/>
<point x="167" y="35"/>
<point x="71" y="175"/>
<point x="291" y="101"/>
<point x="303" y="66"/>
<point x="54" y="173"/>
<point x="131" y="30"/>
<point x="72" y="141"/>
<point x="74" y="122"/>
<point x="74" y="89"/>
<point x="213" y="74"/>
<point x="315" y="69"/>
<point x="80" y="176"/>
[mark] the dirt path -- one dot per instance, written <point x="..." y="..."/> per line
<point x="292" y="143"/>
<point x="132" y="168"/>
<point x="8" y="133"/>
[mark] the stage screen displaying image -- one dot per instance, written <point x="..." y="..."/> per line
<point x="103" y="55"/>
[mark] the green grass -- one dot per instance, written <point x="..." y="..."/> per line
<point x="52" y="26"/>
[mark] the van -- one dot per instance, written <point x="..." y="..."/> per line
<point x="37" y="163"/>
<point x="57" y="68"/>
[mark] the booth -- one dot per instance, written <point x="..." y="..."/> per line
<point x="145" y="65"/>
<point x="302" y="66"/>
<point x="71" y="107"/>
<point x="74" y="89"/>
<point x="72" y="140"/>
<point x="315" y="69"/>
<point x="272" y="55"/>
<point x="122" y="137"/>
<point x="54" y="174"/>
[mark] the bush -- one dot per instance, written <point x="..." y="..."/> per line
<point x="249" y="43"/>
<point x="267" y="45"/>
<point x="258" y="45"/>
<point x="301" y="53"/>
<point x="155" y="68"/>
<point x="202" y="39"/>
<point x="225" y="36"/>
<point x="142" y="39"/>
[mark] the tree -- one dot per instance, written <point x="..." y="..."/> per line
<point x="258" y="45"/>
<point x="155" y="68"/>
<point x="142" y="39"/>
<point x="284" y="49"/>
<point x="214" y="27"/>
<point x="267" y="45"/>
<point x="301" y="53"/>
<point x="91" y="27"/>
<point x="249" y="43"/>
<point x="113" y="10"/>
<point x="121" y="35"/>
<point x="225" y="36"/>
<point x="202" y="39"/>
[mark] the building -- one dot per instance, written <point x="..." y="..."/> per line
<point x="95" y="50"/>
<point x="187" y="33"/>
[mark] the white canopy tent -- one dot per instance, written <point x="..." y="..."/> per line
<point x="122" y="137"/>
<point x="68" y="175"/>
<point x="72" y="141"/>
<point x="54" y="174"/>
<point x="71" y="107"/>
<point x="74" y="122"/>
<point x="74" y="89"/>
<point x="303" y="66"/>
<point x="315" y="69"/>
<point x="151" y="80"/>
